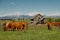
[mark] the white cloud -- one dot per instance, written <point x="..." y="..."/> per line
<point x="15" y="13"/>
<point x="9" y="14"/>
<point x="34" y="13"/>
<point x="30" y="14"/>
<point x="53" y="14"/>
<point x="47" y="14"/>
<point x="21" y="13"/>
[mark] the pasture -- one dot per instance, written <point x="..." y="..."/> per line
<point x="39" y="32"/>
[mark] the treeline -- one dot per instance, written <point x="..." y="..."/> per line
<point x="52" y="20"/>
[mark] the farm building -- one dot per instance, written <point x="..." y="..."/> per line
<point x="38" y="19"/>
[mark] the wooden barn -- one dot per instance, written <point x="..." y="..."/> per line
<point x="38" y="19"/>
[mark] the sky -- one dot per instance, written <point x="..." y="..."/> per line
<point x="30" y="7"/>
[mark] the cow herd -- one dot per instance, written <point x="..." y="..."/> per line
<point x="15" y="26"/>
<point x="51" y="24"/>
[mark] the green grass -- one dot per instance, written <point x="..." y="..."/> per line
<point x="33" y="33"/>
<point x="30" y="35"/>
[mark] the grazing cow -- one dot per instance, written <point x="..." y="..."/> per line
<point x="50" y="24"/>
<point x="7" y="26"/>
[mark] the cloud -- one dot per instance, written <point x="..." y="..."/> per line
<point x="9" y="14"/>
<point x="29" y="13"/>
<point x="47" y="14"/>
<point x="53" y="14"/>
<point x="15" y="13"/>
<point x="21" y="13"/>
<point x="34" y="13"/>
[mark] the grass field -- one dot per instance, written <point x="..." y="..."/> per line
<point x="33" y="33"/>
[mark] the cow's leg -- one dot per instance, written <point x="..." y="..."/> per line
<point x="49" y="27"/>
<point x="21" y="28"/>
<point x="13" y="28"/>
<point x="16" y="29"/>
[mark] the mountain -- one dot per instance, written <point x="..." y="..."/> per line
<point x="52" y="16"/>
<point x="14" y="16"/>
<point x="25" y="16"/>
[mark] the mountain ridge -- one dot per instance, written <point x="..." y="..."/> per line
<point x="25" y="16"/>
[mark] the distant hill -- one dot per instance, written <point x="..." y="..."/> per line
<point x="52" y="16"/>
<point x="25" y="16"/>
<point x="14" y="16"/>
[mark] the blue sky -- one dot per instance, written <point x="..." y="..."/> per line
<point x="29" y="7"/>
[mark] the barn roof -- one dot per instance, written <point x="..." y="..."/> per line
<point x="37" y="16"/>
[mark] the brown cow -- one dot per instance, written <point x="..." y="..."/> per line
<point x="25" y="24"/>
<point x="15" y="25"/>
<point x="56" y="23"/>
<point x="18" y="25"/>
<point x="50" y="24"/>
<point x="7" y="26"/>
<point x="12" y="26"/>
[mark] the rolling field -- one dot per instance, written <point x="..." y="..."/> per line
<point x="39" y="32"/>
